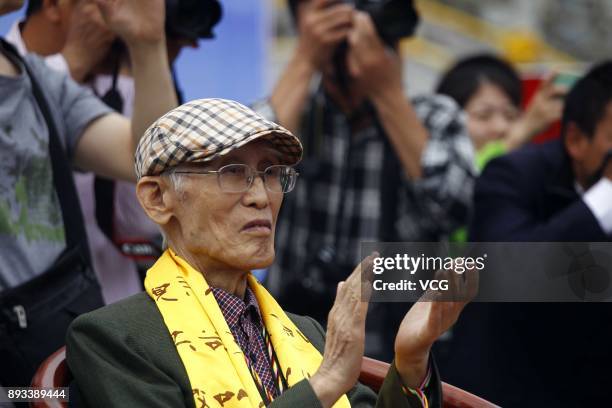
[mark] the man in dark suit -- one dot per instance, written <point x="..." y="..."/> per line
<point x="212" y="175"/>
<point x="550" y="354"/>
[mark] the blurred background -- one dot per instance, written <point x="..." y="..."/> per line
<point x="255" y="37"/>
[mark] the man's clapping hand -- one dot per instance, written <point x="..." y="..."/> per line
<point x="427" y="320"/>
<point x="431" y="316"/>
<point x="345" y="337"/>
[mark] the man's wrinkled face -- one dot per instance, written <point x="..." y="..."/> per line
<point x="232" y="229"/>
<point x="8" y="6"/>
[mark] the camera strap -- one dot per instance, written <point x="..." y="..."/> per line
<point x="390" y="180"/>
<point x="104" y="188"/>
<point x="140" y="249"/>
<point x="309" y="167"/>
<point x="315" y="139"/>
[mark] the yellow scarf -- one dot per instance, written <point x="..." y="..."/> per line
<point x="214" y="362"/>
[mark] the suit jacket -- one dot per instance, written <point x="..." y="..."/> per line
<point x="123" y="356"/>
<point x="529" y="196"/>
<point x="532" y="354"/>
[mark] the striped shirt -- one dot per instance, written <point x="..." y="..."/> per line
<point x="244" y="320"/>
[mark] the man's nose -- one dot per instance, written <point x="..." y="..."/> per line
<point x="257" y="195"/>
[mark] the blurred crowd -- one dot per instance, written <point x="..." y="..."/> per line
<point x="457" y="164"/>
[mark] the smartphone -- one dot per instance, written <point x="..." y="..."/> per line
<point x="566" y="80"/>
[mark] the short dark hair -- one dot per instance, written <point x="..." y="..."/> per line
<point x="585" y="104"/>
<point x="462" y="81"/>
<point x="34" y="7"/>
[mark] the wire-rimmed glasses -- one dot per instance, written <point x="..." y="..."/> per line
<point x="238" y="178"/>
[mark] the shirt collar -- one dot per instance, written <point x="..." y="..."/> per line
<point x="578" y="188"/>
<point x="233" y="307"/>
<point x="14" y="37"/>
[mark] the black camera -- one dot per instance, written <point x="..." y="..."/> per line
<point x="393" y="19"/>
<point x="192" y="19"/>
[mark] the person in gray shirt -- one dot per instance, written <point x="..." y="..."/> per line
<point x="32" y="230"/>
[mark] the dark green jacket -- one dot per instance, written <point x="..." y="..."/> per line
<point x="123" y="356"/>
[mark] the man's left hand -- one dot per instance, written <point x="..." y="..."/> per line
<point x="135" y="21"/>
<point x="375" y="67"/>
<point x="427" y="320"/>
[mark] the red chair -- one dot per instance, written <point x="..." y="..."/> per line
<point x="54" y="372"/>
<point x="373" y="373"/>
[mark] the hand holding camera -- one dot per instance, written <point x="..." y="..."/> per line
<point x="88" y="42"/>
<point x="374" y="67"/>
<point x="137" y="22"/>
<point x="323" y="25"/>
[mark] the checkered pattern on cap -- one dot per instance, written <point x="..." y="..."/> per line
<point x="204" y="129"/>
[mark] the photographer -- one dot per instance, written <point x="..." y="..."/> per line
<point x="48" y="123"/>
<point x="114" y="221"/>
<point x="378" y="167"/>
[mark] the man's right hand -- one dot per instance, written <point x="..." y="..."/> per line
<point x="88" y="40"/>
<point x="345" y="337"/>
<point x="322" y="25"/>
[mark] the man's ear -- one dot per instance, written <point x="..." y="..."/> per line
<point x="576" y="142"/>
<point x="156" y="198"/>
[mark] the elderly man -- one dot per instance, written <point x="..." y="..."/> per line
<point x="212" y="175"/>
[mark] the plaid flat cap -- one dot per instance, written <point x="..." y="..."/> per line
<point x="204" y="129"/>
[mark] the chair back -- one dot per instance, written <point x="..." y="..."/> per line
<point x="52" y="373"/>
<point x="373" y="373"/>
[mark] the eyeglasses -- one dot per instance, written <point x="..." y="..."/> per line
<point x="238" y="178"/>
